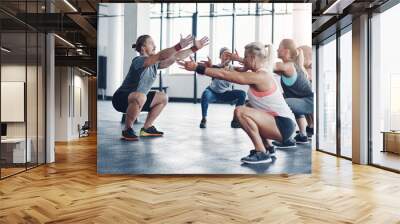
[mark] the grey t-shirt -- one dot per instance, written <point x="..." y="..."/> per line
<point x="220" y="86"/>
<point x="300" y="88"/>
<point x="139" y="78"/>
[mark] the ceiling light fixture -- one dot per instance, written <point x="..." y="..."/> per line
<point x="64" y="40"/>
<point x="84" y="71"/>
<point x="70" y="5"/>
<point x="337" y="7"/>
<point x="5" y="50"/>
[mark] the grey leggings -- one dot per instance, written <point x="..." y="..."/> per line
<point x="301" y="106"/>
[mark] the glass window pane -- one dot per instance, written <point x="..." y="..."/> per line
<point x="266" y="29"/>
<point x="203" y="9"/>
<point x="283" y="27"/>
<point x="346" y="94"/>
<point x="41" y="98"/>
<point x="385" y="84"/>
<point x="243" y="8"/>
<point x="222" y="38"/>
<point x="245" y="32"/>
<point x="223" y="8"/>
<point x="155" y="9"/>
<point x="155" y="31"/>
<point x="13" y="83"/>
<point x="327" y="97"/>
<point x="265" y="7"/>
<point x="180" y="9"/>
<point x="31" y="98"/>
<point x="203" y="30"/>
<point x="178" y="26"/>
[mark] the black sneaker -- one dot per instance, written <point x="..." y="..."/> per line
<point x="256" y="157"/>
<point x="235" y="124"/>
<point x="310" y="132"/>
<point x="150" y="132"/>
<point x="129" y="135"/>
<point x="203" y="123"/>
<point x="301" y="139"/>
<point x="271" y="151"/>
<point x="290" y="143"/>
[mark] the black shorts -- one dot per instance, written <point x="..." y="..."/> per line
<point x="286" y="127"/>
<point x="120" y="100"/>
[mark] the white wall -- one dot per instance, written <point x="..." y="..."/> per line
<point x="110" y="43"/>
<point x="119" y="27"/>
<point x="69" y="82"/>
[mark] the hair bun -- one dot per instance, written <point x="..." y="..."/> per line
<point x="133" y="45"/>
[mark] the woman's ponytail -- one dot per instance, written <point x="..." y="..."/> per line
<point x="300" y="57"/>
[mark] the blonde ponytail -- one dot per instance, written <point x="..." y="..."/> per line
<point x="264" y="52"/>
<point x="299" y="60"/>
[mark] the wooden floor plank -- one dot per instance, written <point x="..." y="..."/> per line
<point x="70" y="191"/>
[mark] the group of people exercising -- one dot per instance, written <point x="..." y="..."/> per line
<point x="279" y="95"/>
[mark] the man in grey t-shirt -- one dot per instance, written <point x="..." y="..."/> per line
<point x="134" y="94"/>
<point x="221" y="90"/>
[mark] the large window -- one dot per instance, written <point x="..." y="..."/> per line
<point x="222" y="23"/>
<point x="222" y="38"/>
<point x="327" y="96"/>
<point x="334" y="131"/>
<point x="178" y="27"/>
<point x="244" y="32"/>
<point x="284" y="30"/>
<point x="385" y="84"/>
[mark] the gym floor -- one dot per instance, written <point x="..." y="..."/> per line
<point x="185" y="148"/>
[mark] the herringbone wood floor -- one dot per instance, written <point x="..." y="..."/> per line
<point x="70" y="191"/>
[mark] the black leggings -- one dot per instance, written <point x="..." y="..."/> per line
<point x="120" y="100"/>
<point x="286" y="127"/>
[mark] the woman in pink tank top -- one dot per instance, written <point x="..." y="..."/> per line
<point x="268" y="117"/>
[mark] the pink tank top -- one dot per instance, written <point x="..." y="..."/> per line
<point x="270" y="101"/>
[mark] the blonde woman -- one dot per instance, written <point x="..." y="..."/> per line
<point x="268" y="117"/>
<point x="296" y="86"/>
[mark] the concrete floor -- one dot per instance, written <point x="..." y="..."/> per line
<point x="185" y="148"/>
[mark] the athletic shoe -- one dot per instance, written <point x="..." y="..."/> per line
<point x="310" y="132"/>
<point x="301" y="139"/>
<point x="129" y="135"/>
<point x="150" y="132"/>
<point x="203" y="123"/>
<point x="235" y="124"/>
<point x="271" y="151"/>
<point x="290" y="143"/>
<point x="256" y="157"/>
